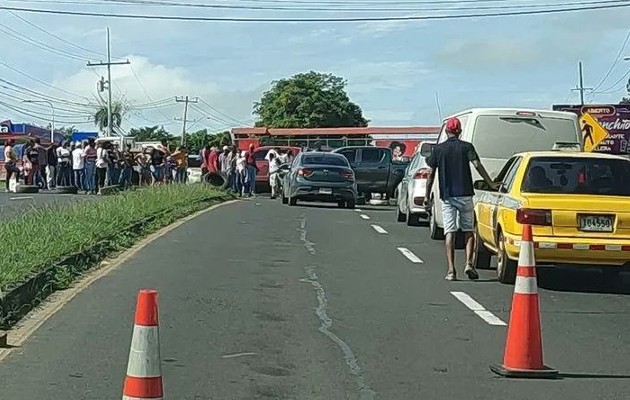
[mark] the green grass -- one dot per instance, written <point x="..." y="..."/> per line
<point x="40" y="239"/>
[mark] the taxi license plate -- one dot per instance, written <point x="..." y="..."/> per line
<point x="325" y="191"/>
<point x="596" y="223"/>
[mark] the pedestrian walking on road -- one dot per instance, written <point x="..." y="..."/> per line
<point x="252" y="169"/>
<point x="452" y="160"/>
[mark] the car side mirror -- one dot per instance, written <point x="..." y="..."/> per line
<point x="482" y="185"/>
<point x="426" y="149"/>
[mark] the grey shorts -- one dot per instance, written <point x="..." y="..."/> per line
<point x="458" y="211"/>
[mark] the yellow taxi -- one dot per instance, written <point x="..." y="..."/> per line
<point x="577" y="203"/>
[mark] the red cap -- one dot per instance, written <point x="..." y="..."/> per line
<point x="453" y="126"/>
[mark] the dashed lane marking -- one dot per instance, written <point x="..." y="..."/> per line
<point x="410" y="256"/>
<point x="22" y="198"/>
<point x="364" y="216"/>
<point x="478" y="309"/>
<point x="379" y="229"/>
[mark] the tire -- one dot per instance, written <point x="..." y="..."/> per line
<point x="400" y="217"/>
<point x="284" y="199"/>
<point x="216" y="180"/>
<point x="292" y="201"/>
<point x="351" y="204"/>
<point x="483" y="257"/>
<point x="65" y="190"/>
<point x="506" y="268"/>
<point x="412" y="219"/>
<point x="27" y="189"/>
<point x="437" y="233"/>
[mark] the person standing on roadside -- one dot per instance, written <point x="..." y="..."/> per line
<point x="78" y="166"/>
<point x="452" y="160"/>
<point x="90" y="157"/>
<point x="64" y="165"/>
<point x="251" y="169"/>
<point x="42" y="156"/>
<point x="31" y="163"/>
<point x="10" y="163"/>
<point x="51" y="167"/>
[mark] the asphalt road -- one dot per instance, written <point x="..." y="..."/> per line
<point x="264" y="301"/>
<point x="12" y="204"/>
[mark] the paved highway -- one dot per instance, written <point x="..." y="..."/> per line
<point x="264" y="301"/>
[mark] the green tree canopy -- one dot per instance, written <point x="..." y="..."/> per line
<point x="150" y="133"/>
<point x="308" y="100"/>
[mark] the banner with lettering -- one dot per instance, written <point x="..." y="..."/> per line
<point x="615" y="118"/>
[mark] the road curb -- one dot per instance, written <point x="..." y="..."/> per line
<point x="20" y="299"/>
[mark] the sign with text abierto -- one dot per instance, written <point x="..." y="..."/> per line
<point x="613" y="118"/>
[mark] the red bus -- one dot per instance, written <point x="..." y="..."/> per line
<point x="406" y="139"/>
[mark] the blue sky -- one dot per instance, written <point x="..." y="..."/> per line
<point x="393" y="69"/>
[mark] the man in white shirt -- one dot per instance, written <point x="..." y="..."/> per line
<point x="78" y="166"/>
<point x="274" y="166"/>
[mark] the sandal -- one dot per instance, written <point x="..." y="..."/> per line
<point x="471" y="272"/>
<point x="450" y="276"/>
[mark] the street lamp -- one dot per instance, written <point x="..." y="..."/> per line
<point x="52" y="125"/>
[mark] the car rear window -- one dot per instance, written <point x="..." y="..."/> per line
<point x="572" y="175"/>
<point x="194" y="161"/>
<point x="503" y="136"/>
<point x="325" y="159"/>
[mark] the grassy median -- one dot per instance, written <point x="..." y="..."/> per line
<point x="41" y="239"/>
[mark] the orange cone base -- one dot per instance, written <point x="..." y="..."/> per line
<point x="544" y="373"/>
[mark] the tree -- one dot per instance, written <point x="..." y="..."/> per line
<point x="625" y="100"/>
<point x="150" y="133"/>
<point x="308" y="100"/>
<point x="100" y="117"/>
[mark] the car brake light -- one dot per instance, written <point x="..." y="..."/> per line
<point x="422" y="173"/>
<point x="530" y="216"/>
<point x="349" y="175"/>
<point x="305" y="172"/>
<point x="526" y="114"/>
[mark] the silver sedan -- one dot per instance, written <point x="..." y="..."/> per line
<point x="411" y="191"/>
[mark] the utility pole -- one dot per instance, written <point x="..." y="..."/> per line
<point x="109" y="64"/>
<point x="581" y="87"/>
<point x="186" y="100"/>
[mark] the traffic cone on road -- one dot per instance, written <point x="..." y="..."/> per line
<point x="144" y="371"/>
<point x="523" y="350"/>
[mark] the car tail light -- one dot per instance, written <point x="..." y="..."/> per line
<point x="305" y="172"/>
<point x="349" y="175"/>
<point x="525" y="114"/>
<point x="530" y="216"/>
<point x="422" y="173"/>
<point x="419" y="201"/>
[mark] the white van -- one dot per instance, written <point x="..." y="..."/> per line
<point x="499" y="133"/>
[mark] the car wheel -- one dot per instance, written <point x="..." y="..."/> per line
<point x="506" y="268"/>
<point x="284" y="199"/>
<point x="412" y="219"/>
<point x="437" y="233"/>
<point x="292" y="201"/>
<point x="483" y="257"/>
<point x="351" y="204"/>
<point x="400" y="216"/>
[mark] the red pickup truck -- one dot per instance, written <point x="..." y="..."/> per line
<point x="262" y="177"/>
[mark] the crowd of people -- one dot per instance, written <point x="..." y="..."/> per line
<point x="92" y="165"/>
<point x="239" y="169"/>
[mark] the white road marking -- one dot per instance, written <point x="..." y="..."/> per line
<point x="238" y="355"/>
<point x="358" y="210"/>
<point x="379" y="229"/>
<point x="478" y="309"/>
<point x="22" y="198"/>
<point x="410" y="256"/>
<point x="364" y="216"/>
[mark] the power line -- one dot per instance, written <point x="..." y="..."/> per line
<point x="453" y="6"/>
<point x="314" y="20"/>
<point x="219" y="112"/>
<point x="614" y="64"/>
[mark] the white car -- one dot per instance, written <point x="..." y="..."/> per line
<point x="411" y="191"/>
<point x="498" y="134"/>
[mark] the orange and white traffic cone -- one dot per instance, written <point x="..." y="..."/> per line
<point x="523" y="350"/>
<point x="144" y="371"/>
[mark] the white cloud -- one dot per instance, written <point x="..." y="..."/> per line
<point x="369" y="76"/>
<point x="382" y="28"/>
<point x="385" y="116"/>
<point x="165" y="82"/>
